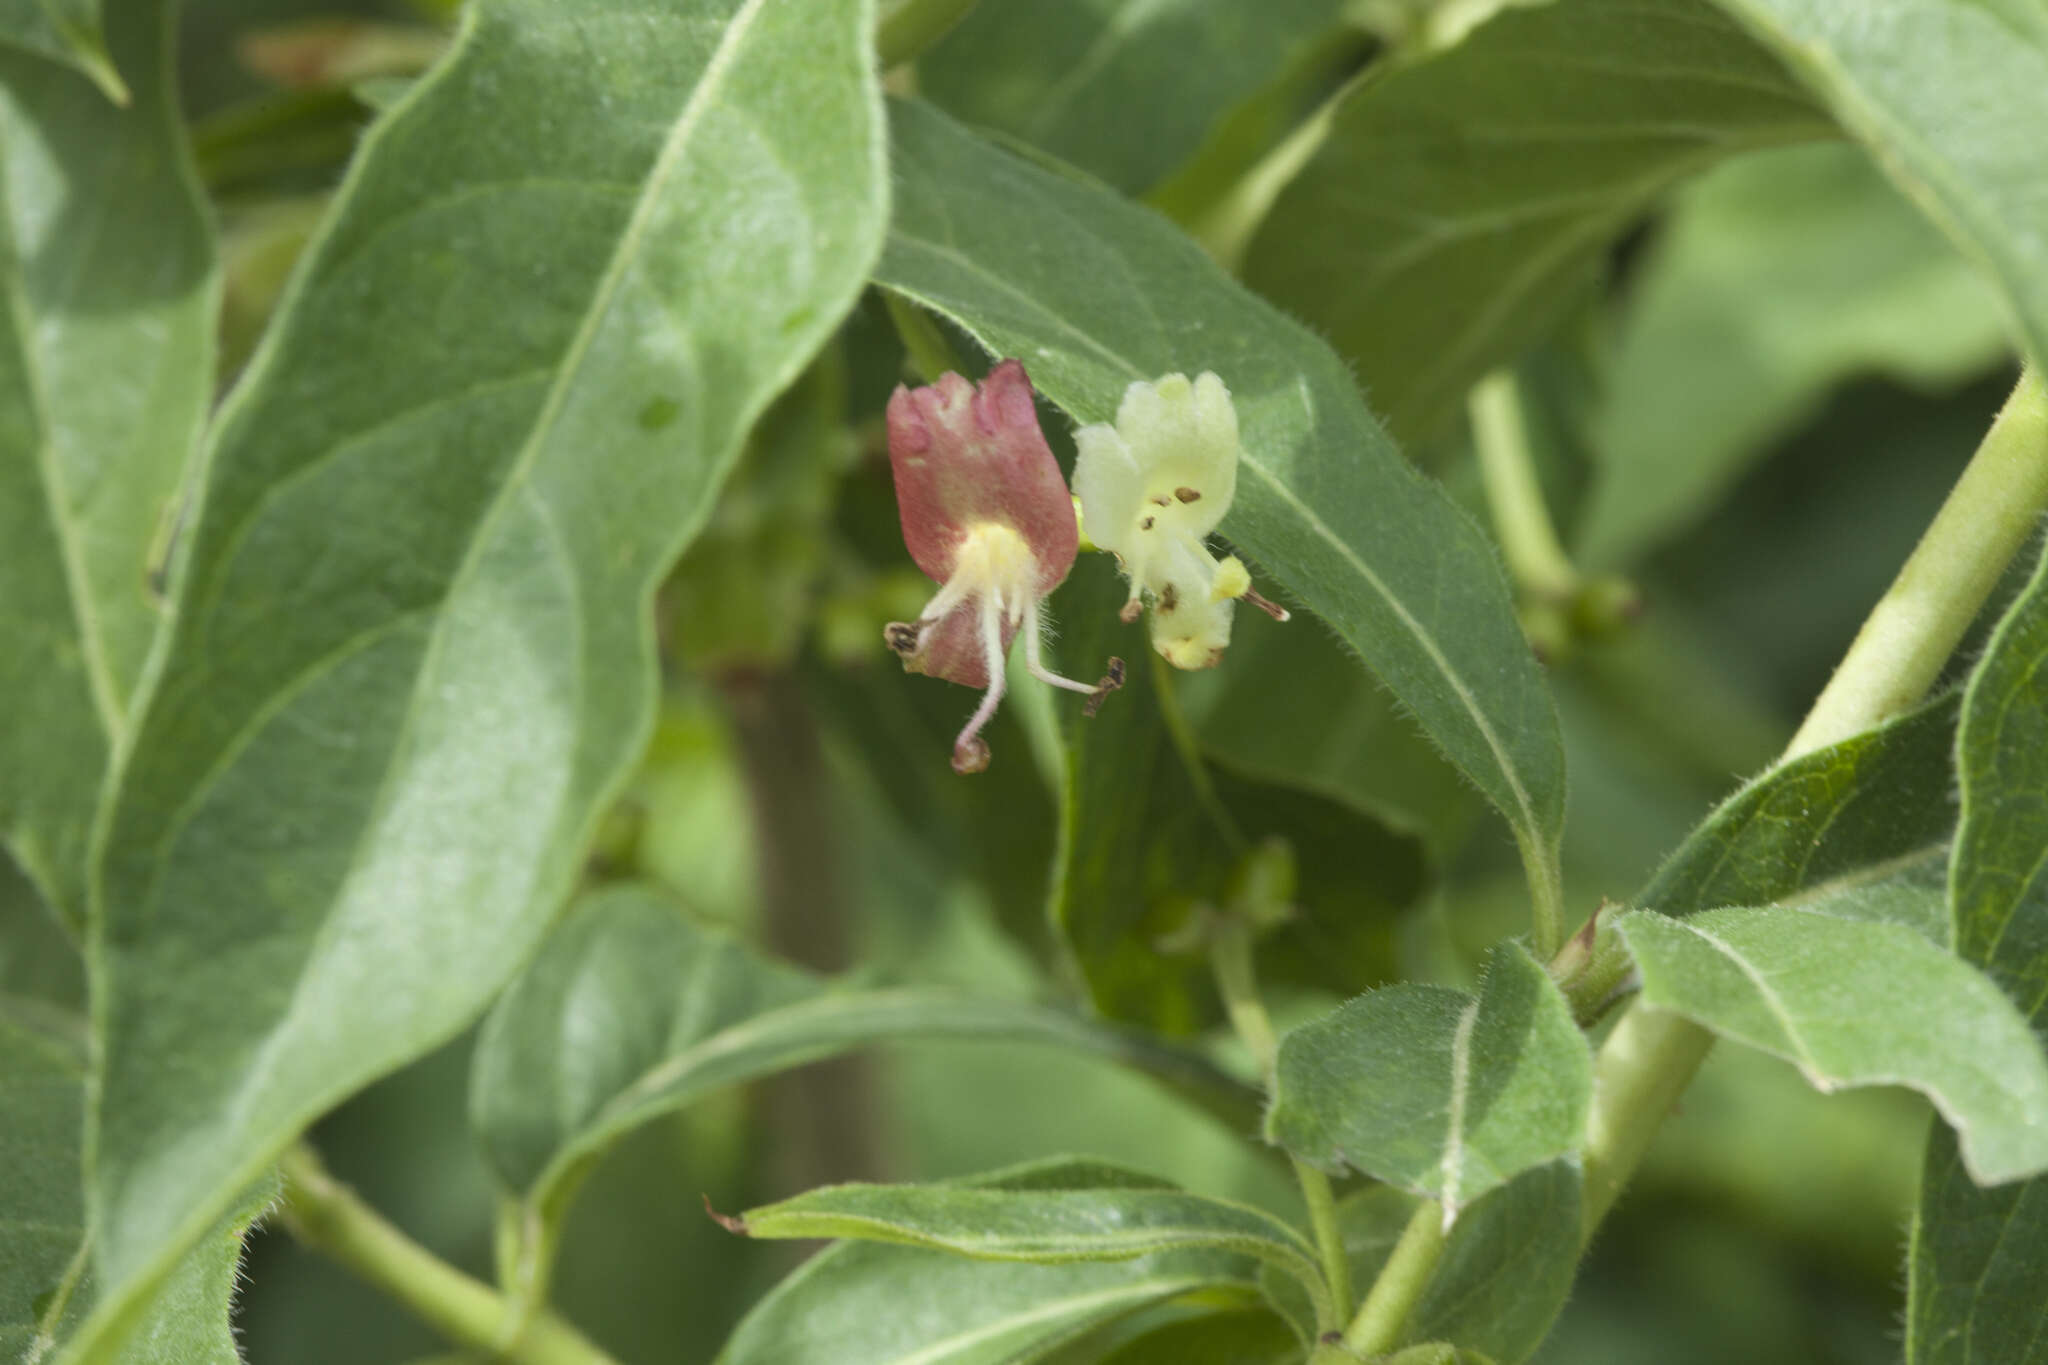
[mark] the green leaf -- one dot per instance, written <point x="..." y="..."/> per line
<point x="68" y="31"/>
<point x="44" y="1281"/>
<point x="869" y="1304"/>
<point x="1126" y="90"/>
<point x="1838" y="814"/>
<point x="553" y="296"/>
<point x="1961" y="147"/>
<point x="1041" y="1225"/>
<point x="1292" y="709"/>
<point x="1774" y="279"/>
<point x="630" y="1012"/>
<point x="1324" y="502"/>
<point x="1859" y="1003"/>
<point x="1435" y="1091"/>
<point x="105" y="377"/>
<point x="1459" y="202"/>
<point x="1978" y="1255"/>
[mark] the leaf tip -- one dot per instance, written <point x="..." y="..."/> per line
<point x="730" y="1222"/>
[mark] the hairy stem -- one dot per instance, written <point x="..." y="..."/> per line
<point x="1916" y="626"/>
<point x="1528" y="539"/>
<point x="332" y="1219"/>
<point x="1230" y="955"/>
<point x="1650" y="1057"/>
<point x="1377" y="1328"/>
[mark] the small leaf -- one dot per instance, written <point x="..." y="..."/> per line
<point x="1976" y="1259"/>
<point x="1859" y="1003"/>
<point x="1242" y="1337"/>
<point x="412" y="656"/>
<point x="1459" y="202"/>
<point x="1041" y="1225"/>
<point x="630" y="1012"/>
<point x="1436" y="1091"/>
<point x="868" y="1304"/>
<point x="105" y="377"/>
<point x="1324" y="501"/>
<point x="1127" y="90"/>
<point x="1837" y="813"/>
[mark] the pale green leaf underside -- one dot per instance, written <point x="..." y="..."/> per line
<point x="1434" y="1090"/>
<point x="1979" y="1257"/>
<point x="1459" y="202"/>
<point x="1774" y="279"/>
<point x="1950" y="96"/>
<point x="1093" y="293"/>
<point x="630" y="1012"/>
<point x="948" y="1310"/>
<point x="1859" y="1003"/>
<point x="105" y="376"/>
<point x="412" y="656"/>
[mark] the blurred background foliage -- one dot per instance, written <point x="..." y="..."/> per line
<point x="1750" y="410"/>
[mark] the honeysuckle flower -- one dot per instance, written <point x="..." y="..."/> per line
<point x="1152" y="488"/>
<point x="987" y="516"/>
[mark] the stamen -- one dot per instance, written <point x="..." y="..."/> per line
<point x="1131" y="610"/>
<point x="970" y="750"/>
<point x="1186" y="494"/>
<point x="1111" y="681"/>
<point x="902" y="637"/>
<point x="1266" y="605"/>
<point x="1036" y="664"/>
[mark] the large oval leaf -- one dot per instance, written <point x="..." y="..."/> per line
<point x="1324" y="501"/>
<point x="105" y="375"/>
<point x="1977" y="1255"/>
<point x="1459" y="202"/>
<point x="412" y="655"/>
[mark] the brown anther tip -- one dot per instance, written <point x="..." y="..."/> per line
<point x="1267" y="605"/>
<point x="1111" y="681"/>
<point x="1162" y="501"/>
<point x="901" y="636"/>
<point x="1331" y="1339"/>
<point x="971" y="756"/>
<point x="1186" y="494"/>
<point x="1169" y="598"/>
<point x="1130" y="611"/>
<point x="729" y="1222"/>
<point x="1146" y="524"/>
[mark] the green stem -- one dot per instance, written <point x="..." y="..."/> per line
<point x="931" y="355"/>
<point x="1521" y="518"/>
<point x="1377" y="1328"/>
<point x="1230" y="955"/>
<point x="1908" y="638"/>
<point x="1545" y="874"/>
<point x="332" y="1219"/>
<point x="1650" y="1057"/>
<point x="910" y="26"/>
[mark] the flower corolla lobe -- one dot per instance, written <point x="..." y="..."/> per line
<point x="1152" y="488"/>
<point x="987" y="516"/>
